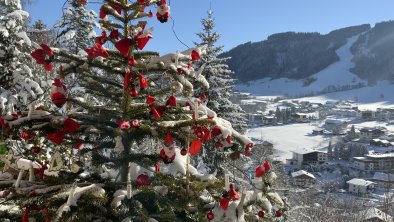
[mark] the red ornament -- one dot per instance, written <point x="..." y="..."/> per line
<point x="117" y="8"/>
<point x="163" y="13"/>
<point x="195" y="55"/>
<point x="259" y="171"/>
<point x="167" y="154"/>
<point x="82" y="2"/>
<point x="143" y="81"/>
<point x="124" y="46"/>
<point x="249" y="145"/>
<point x="228" y="139"/>
<point x="103" y="12"/>
<point x="183" y="152"/>
<point x="44" y="56"/>
<point x="102" y="39"/>
<point x="203" y="97"/>
<point x="232" y="194"/>
<point x="79" y="144"/>
<point x="142" y="39"/>
<point x="96" y="51"/>
<point x="168" y="140"/>
<point x="143" y="180"/>
<point x="278" y="213"/>
<point x="216" y="131"/>
<point x="171" y="101"/>
<point x="195" y="147"/>
<point x="261" y="214"/>
<point x="150" y="100"/>
<point x="70" y="126"/>
<point x="114" y="34"/>
<point x="57" y="137"/>
<point x="58" y="93"/>
<point x="157" y="167"/>
<point x="155" y="113"/>
<point x="224" y="202"/>
<point x="267" y="165"/>
<point x="150" y="14"/>
<point x="2" y="122"/>
<point x="210" y="215"/>
<point x="26" y="135"/>
<point x="218" y="144"/>
<point x="36" y="149"/>
<point x="136" y="124"/>
<point x="132" y="62"/>
<point x="123" y="124"/>
<point x="126" y="80"/>
<point x="133" y="92"/>
<point x="247" y="153"/>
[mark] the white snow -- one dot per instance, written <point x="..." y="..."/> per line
<point x="288" y="138"/>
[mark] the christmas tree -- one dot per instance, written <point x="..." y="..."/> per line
<point x="218" y="76"/>
<point x="122" y="151"/>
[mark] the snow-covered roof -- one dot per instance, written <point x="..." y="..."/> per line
<point x="383" y="177"/>
<point x="381" y="155"/>
<point x="360" y="182"/>
<point x="306" y="151"/>
<point x="335" y="121"/>
<point x="372" y="213"/>
<point x="302" y="172"/>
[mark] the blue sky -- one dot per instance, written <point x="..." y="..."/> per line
<point x="242" y="21"/>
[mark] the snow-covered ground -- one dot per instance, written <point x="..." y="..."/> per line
<point x="336" y="74"/>
<point x="288" y="138"/>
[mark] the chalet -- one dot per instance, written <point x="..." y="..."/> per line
<point x="255" y="118"/>
<point x="303" y="178"/>
<point x="308" y="157"/>
<point x="375" y="215"/>
<point x="375" y="162"/>
<point x="369" y="133"/>
<point x="360" y="186"/>
<point x="381" y="142"/>
<point x="317" y="131"/>
<point x="367" y="114"/>
<point x="383" y="180"/>
<point x="300" y="117"/>
<point x="336" y="126"/>
<point x="269" y="120"/>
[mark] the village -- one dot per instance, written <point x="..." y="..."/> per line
<point x="340" y="147"/>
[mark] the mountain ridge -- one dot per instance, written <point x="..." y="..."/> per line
<point x="299" y="55"/>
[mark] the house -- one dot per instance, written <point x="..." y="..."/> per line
<point x="269" y="120"/>
<point x="381" y="142"/>
<point x="303" y="178"/>
<point x="255" y="118"/>
<point x="375" y="215"/>
<point x="374" y="162"/>
<point x="383" y="180"/>
<point x="369" y="133"/>
<point x="300" y="117"/>
<point x="360" y="187"/>
<point x="367" y="114"/>
<point x="306" y="157"/>
<point x="336" y="126"/>
<point x="267" y="145"/>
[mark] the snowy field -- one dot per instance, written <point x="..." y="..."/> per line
<point x="287" y="138"/>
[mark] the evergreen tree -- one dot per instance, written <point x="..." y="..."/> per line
<point x="76" y="27"/>
<point x="40" y="34"/>
<point x="329" y="151"/>
<point x="219" y="77"/>
<point x="102" y="166"/>
<point x="17" y="86"/>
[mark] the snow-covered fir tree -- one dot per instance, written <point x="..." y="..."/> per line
<point x="88" y="159"/>
<point x="75" y="30"/>
<point x="219" y="77"/>
<point x="17" y="85"/>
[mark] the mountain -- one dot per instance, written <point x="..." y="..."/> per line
<point x="301" y="56"/>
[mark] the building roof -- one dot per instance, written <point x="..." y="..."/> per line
<point x="380" y="176"/>
<point x="360" y="182"/>
<point x="372" y="213"/>
<point x="335" y="121"/>
<point x="306" y="151"/>
<point x="302" y="172"/>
